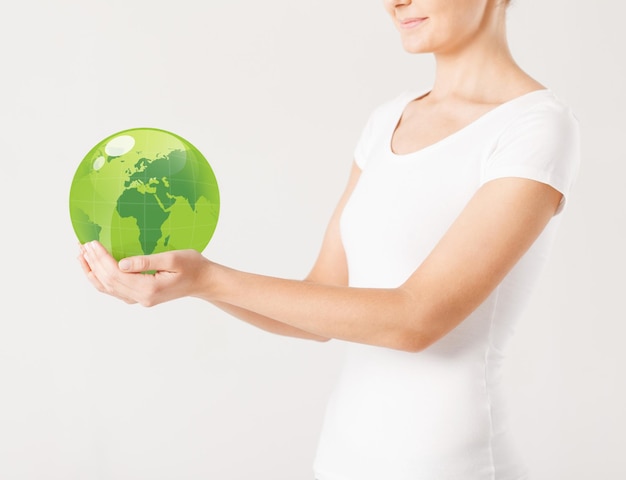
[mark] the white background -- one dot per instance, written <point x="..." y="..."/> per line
<point x="275" y="95"/>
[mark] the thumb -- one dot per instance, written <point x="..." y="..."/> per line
<point x="137" y="264"/>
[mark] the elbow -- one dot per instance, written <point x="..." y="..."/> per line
<point x="321" y="339"/>
<point x="411" y="342"/>
<point x="407" y="339"/>
<point x="417" y="333"/>
<point x="414" y="330"/>
<point x="421" y="324"/>
<point x="421" y="333"/>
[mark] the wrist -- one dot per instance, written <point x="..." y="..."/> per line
<point x="203" y="281"/>
<point x="211" y="281"/>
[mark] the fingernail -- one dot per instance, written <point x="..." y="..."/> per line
<point x="124" y="264"/>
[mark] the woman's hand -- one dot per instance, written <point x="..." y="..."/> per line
<point x="176" y="274"/>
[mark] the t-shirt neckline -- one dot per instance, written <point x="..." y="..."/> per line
<point x="412" y="96"/>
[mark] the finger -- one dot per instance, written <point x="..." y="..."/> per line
<point x="95" y="282"/>
<point x="158" y="262"/>
<point x="98" y="258"/>
<point x="90" y="275"/>
<point x="81" y="259"/>
<point x="135" y="264"/>
<point x="104" y="274"/>
<point x="88" y="272"/>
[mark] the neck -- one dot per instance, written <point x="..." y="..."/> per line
<point x="480" y="69"/>
<point x="477" y="75"/>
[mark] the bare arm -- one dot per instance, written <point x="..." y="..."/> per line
<point x="494" y="230"/>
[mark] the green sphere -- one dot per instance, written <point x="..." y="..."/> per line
<point x="144" y="191"/>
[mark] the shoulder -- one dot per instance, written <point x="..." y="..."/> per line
<point x="540" y="111"/>
<point x="540" y="140"/>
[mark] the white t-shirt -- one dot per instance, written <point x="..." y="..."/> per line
<point x="438" y="414"/>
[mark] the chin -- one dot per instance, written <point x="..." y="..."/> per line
<point x="415" y="47"/>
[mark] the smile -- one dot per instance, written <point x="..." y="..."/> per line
<point x="409" y="23"/>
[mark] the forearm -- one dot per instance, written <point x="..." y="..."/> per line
<point x="266" y="323"/>
<point x="371" y="316"/>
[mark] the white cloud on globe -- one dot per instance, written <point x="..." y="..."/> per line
<point x="98" y="163"/>
<point x="119" y="145"/>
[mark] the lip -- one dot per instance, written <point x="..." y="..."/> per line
<point x="408" y="23"/>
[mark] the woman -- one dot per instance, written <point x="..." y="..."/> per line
<point x="431" y="253"/>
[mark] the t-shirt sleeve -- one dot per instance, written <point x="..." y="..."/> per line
<point x="542" y="144"/>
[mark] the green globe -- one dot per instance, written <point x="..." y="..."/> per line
<point x="144" y="191"/>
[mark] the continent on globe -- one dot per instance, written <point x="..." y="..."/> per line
<point x="144" y="191"/>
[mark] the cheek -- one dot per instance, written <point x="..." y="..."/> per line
<point x="459" y="24"/>
<point x="463" y="15"/>
<point x="472" y="15"/>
